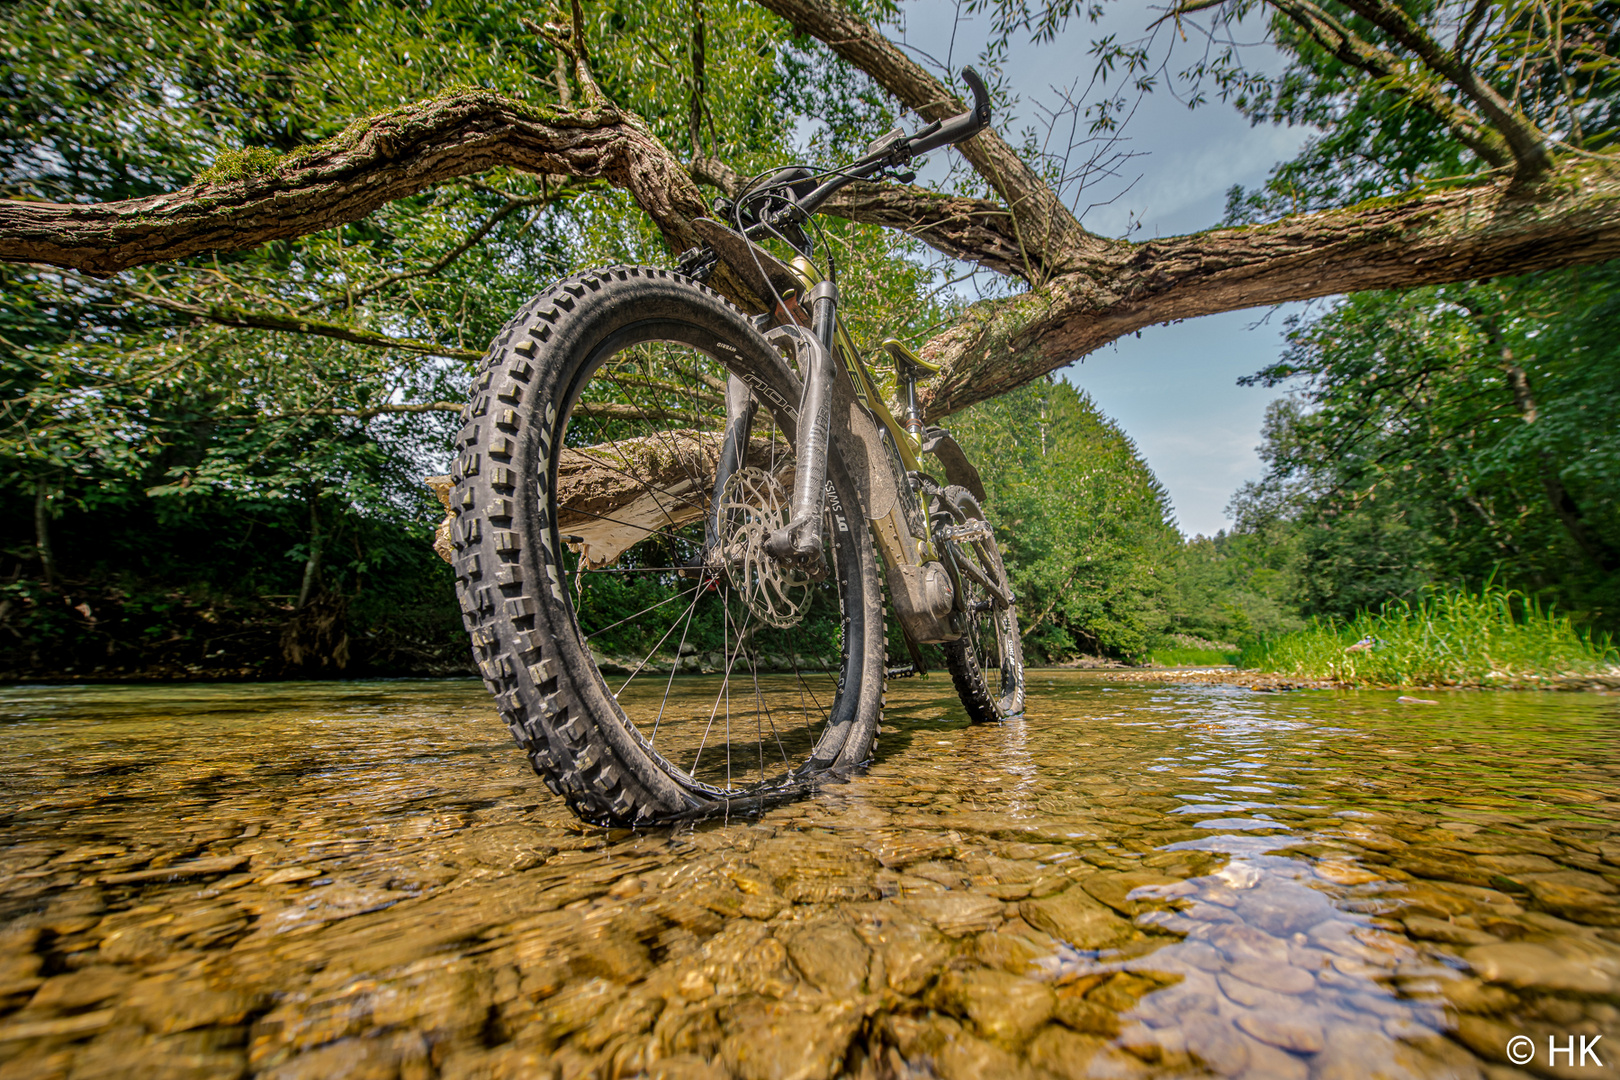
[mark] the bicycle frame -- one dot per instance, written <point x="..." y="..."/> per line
<point x="841" y="403"/>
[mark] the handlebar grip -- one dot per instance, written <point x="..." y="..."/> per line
<point x="965" y="126"/>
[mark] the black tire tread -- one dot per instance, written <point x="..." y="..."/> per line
<point x="589" y="766"/>
<point x="982" y="704"/>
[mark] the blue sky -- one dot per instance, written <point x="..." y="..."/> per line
<point x="1173" y="388"/>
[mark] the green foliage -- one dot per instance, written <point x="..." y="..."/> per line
<point x="1556" y="63"/>
<point x="1240" y="585"/>
<point x="1191" y="656"/>
<point x="1083" y="523"/>
<point x="1456" y="434"/>
<point x="129" y="416"/>
<point x="1491" y="638"/>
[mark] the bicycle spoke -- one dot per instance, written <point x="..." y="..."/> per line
<point x="643" y="611"/>
<point x="673" y="668"/>
<point x="697" y="485"/>
<point x="663" y="639"/>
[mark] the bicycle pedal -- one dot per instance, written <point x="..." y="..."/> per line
<point x="907" y="672"/>
<point x="970" y="531"/>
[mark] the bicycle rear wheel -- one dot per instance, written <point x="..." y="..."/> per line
<point x="653" y="662"/>
<point x="987" y="661"/>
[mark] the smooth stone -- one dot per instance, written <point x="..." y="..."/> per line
<point x="1269" y="1063"/>
<point x="77" y="989"/>
<point x="782" y="1044"/>
<point x="1355" y="1053"/>
<point x="1215" y="1044"/>
<point x="1115" y="890"/>
<point x="1200" y="955"/>
<point x="1444" y="866"/>
<point x="911" y="951"/>
<point x="1297" y="1032"/>
<point x="1010" y="952"/>
<point x="1475" y="996"/>
<point x="509" y="847"/>
<point x="1525" y="965"/>
<point x="1073" y="916"/>
<point x="1003" y="1007"/>
<point x="1576" y="901"/>
<point x="222" y="864"/>
<point x="1064" y="1053"/>
<point x="1240" y="943"/>
<point x="1343" y="873"/>
<point x="1122" y="992"/>
<point x="1511" y="865"/>
<point x="1251" y="996"/>
<point x="1165" y="1047"/>
<point x="168" y="1005"/>
<point x="831" y="957"/>
<point x="1427" y="929"/>
<point x="959" y="913"/>
<point x="1086" y="1017"/>
<point x="1284" y="979"/>
<point x="1283" y="910"/>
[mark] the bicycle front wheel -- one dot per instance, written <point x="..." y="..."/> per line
<point x="648" y="655"/>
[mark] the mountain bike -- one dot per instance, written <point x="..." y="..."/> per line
<point x="669" y="516"/>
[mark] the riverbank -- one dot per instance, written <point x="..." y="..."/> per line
<point x="1601" y="682"/>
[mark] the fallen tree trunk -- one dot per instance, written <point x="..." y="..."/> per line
<point x="612" y="496"/>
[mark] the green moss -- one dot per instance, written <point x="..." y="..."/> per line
<point x="232" y="166"/>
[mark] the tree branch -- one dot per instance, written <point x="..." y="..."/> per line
<point x="973" y="230"/>
<point x="238" y="318"/>
<point x="1337" y="39"/>
<point x="1486" y="230"/>
<point x="373" y="162"/>
<point x="1527" y="144"/>
<point x="599" y="410"/>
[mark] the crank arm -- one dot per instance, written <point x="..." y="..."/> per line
<point x="1002" y="597"/>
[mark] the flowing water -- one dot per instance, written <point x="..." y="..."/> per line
<point x="362" y="880"/>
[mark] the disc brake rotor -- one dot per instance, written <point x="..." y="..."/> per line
<point x="753" y="505"/>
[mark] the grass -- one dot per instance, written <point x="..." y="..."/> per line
<point x="1496" y="637"/>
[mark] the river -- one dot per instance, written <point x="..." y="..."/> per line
<point x="363" y="880"/>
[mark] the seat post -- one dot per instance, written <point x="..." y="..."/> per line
<point x="914" y="424"/>
<point x="907" y="366"/>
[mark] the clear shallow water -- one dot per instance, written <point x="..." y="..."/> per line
<point x="363" y="880"/>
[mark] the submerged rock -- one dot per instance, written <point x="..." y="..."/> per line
<point x="1073" y="916"/>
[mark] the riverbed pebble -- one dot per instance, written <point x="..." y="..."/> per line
<point x="349" y="914"/>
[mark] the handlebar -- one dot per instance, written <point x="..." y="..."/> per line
<point x="958" y="128"/>
<point x="891" y="151"/>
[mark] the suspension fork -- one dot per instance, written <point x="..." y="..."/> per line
<point x="799" y="543"/>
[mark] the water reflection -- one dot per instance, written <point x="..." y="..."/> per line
<point x="360" y="879"/>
